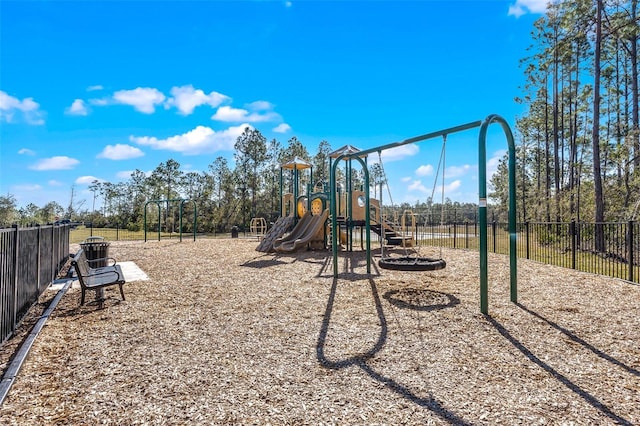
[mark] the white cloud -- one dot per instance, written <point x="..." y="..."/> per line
<point x="455" y="171"/>
<point x="186" y="99"/>
<point x="55" y="163"/>
<point x="417" y="185"/>
<point x="120" y="152"/>
<point x="282" y="128"/>
<point x="260" y="106"/>
<point x="400" y="152"/>
<point x="95" y="88"/>
<point x="406" y="179"/>
<point x="200" y="140"/>
<point x="26" y="188"/>
<point x="492" y="163"/>
<point x="26" y="151"/>
<point x="87" y="180"/>
<point x="426" y="170"/>
<point x="521" y="7"/>
<point x="78" y="107"/>
<point x="99" y="102"/>
<point x="143" y="99"/>
<point x="54" y="182"/>
<point x="125" y="174"/>
<point x="28" y="108"/>
<point x="451" y="187"/>
<point x="235" y="115"/>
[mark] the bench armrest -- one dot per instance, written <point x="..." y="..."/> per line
<point x="103" y="259"/>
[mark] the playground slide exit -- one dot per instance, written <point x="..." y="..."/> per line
<point x="302" y="234"/>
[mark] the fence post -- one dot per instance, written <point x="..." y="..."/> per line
<point x="53" y="271"/>
<point x="493" y="230"/>
<point x="39" y="255"/>
<point x="466" y="234"/>
<point x="455" y="233"/>
<point x="526" y="237"/>
<point x="572" y="234"/>
<point x="117" y="231"/>
<point x="14" y="319"/>
<point x="630" y="254"/>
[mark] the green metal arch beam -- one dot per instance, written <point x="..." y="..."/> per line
<point x="482" y="210"/>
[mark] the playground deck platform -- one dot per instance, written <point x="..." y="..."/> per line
<point x="222" y="334"/>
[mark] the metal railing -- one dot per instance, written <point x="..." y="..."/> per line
<point x="30" y="259"/>
<point x="567" y="244"/>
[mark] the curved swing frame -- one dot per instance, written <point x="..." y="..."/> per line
<point x="482" y="199"/>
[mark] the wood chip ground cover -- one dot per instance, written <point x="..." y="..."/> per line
<point x="222" y="334"/>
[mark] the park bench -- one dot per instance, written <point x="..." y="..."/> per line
<point x="97" y="278"/>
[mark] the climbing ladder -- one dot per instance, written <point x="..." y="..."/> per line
<point x="282" y="225"/>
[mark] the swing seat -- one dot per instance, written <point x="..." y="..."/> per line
<point x="408" y="263"/>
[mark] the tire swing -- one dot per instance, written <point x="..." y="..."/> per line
<point x="413" y="263"/>
<point x="410" y="263"/>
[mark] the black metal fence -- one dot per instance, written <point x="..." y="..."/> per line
<point x="30" y="259"/>
<point x="570" y="245"/>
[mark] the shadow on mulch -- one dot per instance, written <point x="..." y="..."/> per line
<point x="362" y="360"/>
<point x="421" y="299"/>
<point x="265" y="263"/>
<point x="78" y="311"/>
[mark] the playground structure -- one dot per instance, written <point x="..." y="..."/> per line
<point x="308" y="213"/>
<point x="182" y="202"/>
<point x="352" y="208"/>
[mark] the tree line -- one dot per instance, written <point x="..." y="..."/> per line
<point x="578" y="143"/>
<point x="224" y="196"/>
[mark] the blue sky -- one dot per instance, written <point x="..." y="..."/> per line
<point x="94" y="90"/>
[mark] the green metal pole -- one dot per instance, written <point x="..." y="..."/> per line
<point x="180" y="211"/>
<point x="367" y="212"/>
<point x="281" y="192"/>
<point x="421" y="138"/>
<point x="145" y="220"/>
<point x="295" y="194"/>
<point x="482" y="210"/>
<point x="482" y="214"/>
<point x="334" y="215"/>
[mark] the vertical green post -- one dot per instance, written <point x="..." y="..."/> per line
<point x="482" y="215"/>
<point x="295" y="193"/>
<point x="281" y="193"/>
<point x="334" y="214"/>
<point x="145" y="221"/>
<point x="482" y="210"/>
<point x="195" y="219"/>
<point x="180" y="211"/>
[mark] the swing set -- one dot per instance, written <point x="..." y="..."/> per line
<point x="360" y="157"/>
<point x="160" y="203"/>
<point x="407" y="262"/>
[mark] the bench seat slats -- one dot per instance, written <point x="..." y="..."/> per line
<point x="97" y="278"/>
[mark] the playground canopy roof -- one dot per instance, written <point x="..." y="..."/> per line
<point x="296" y="163"/>
<point x="345" y="150"/>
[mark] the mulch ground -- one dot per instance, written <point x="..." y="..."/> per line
<point x="222" y="334"/>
